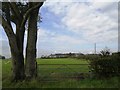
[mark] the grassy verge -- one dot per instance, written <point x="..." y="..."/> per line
<point x="86" y="83"/>
<point x="52" y="71"/>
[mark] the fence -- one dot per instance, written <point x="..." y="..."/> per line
<point x="58" y="72"/>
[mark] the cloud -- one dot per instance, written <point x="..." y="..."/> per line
<point x="58" y="7"/>
<point x="47" y="36"/>
<point x="58" y="42"/>
<point x="4" y="48"/>
<point x="82" y="0"/>
<point x="4" y="45"/>
<point x="90" y="21"/>
<point x="73" y="26"/>
<point x="84" y="19"/>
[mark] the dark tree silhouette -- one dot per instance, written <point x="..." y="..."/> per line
<point x="19" y="13"/>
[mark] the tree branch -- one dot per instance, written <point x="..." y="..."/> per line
<point x="15" y="10"/>
<point x="25" y="17"/>
<point x="7" y="28"/>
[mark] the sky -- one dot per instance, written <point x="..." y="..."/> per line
<point x="73" y="27"/>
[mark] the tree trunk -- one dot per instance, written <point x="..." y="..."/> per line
<point x="31" y="64"/>
<point x="17" y="56"/>
<point x="18" y="66"/>
<point x="18" y="72"/>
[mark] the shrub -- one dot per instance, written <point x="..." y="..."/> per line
<point x="106" y="66"/>
<point x="105" y="52"/>
<point x="92" y="56"/>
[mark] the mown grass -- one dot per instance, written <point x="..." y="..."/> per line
<point x="59" y="71"/>
<point x="62" y="61"/>
<point x="62" y="69"/>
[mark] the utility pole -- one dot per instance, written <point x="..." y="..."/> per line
<point x="95" y="48"/>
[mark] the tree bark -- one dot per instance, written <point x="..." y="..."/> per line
<point x="18" y="72"/>
<point x="18" y="58"/>
<point x="18" y="66"/>
<point x="31" y="63"/>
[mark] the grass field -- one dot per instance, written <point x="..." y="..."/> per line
<point x="57" y="69"/>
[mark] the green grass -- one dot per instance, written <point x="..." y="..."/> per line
<point x="62" y="61"/>
<point x="62" y="69"/>
<point x="86" y="83"/>
<point x="57" y="72"/>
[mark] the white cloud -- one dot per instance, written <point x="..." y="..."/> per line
<point x="82" y="0"/>
<point x="90" y="22"/>
<point x="101" y="5"/>
<point x="59" y="7"/>
<point x="48" y="42"/>
<point x="95" y="21"/>
<point x="4" y="48"/>
<point x="68" y="39"/>
<point x="46" y="36"/>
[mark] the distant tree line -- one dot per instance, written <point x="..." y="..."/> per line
<point x="2" y="57"/>
<point x="103" y="53"/>
<point x="62" y="55"/>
